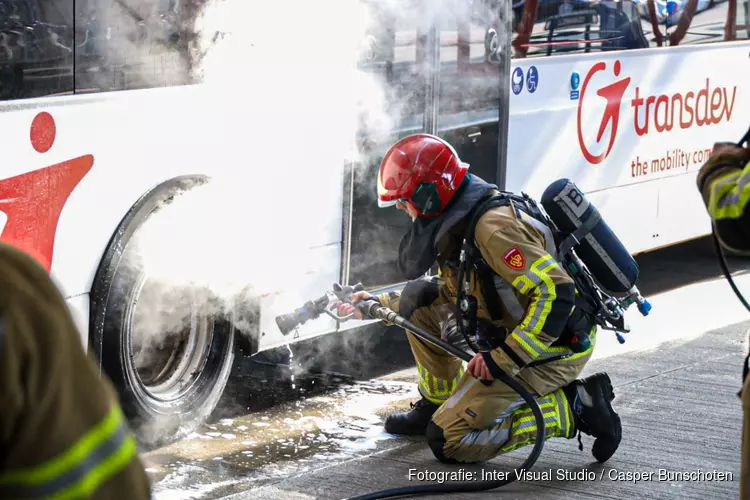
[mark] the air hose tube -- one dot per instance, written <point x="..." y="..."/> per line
<point x="727" y="274"/>
<point x="720" y="251"/>
<point x="374" y="310"/>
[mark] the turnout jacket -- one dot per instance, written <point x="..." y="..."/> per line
<point x="724" y="184"/>
<point x="62" y="433"/>
<point x="538" y="297"/>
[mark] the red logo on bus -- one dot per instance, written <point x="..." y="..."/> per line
<point x="613" y="94"/>
<point x="34" y="201"/>
<point x="697" y="107"/>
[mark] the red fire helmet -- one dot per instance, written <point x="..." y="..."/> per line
<point x="422" y="170"/>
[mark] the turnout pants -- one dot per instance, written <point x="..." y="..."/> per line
<point x="476" y="422"/>
<point x="745" y="458"/>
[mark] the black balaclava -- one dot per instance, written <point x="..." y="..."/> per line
<point x="417" y="250"/>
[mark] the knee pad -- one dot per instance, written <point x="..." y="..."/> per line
<point x="418" y="293"/>
<point x="436" y="441"/>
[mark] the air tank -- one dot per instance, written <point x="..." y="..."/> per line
<point x="600" y="249"/>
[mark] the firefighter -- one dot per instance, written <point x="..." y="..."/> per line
<point x="724" y="184"/>
<point x="464" y="419"/>
<point x="62" y="433"/>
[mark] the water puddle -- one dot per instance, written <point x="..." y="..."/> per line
<point x="236" y="454"/>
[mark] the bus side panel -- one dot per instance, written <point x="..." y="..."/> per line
<point x="139" y="139"/>
<point x="630" y="211"/>
<point x="79" y="310"/>
<point x="635" y="117"/>
<point x="318" y="277"/>
<point x="682" y="213"/>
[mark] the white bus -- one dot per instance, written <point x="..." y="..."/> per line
<point x="105" y="119"/>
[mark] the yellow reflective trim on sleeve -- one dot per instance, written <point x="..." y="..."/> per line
<point x="551" y="294"/>
<point x="729" y="194"/>
<point x="525" y="283"/>
<point x="57" y="466"/>
<point x="526" y="346"/>
<point x="525" y="333"/>
<point x="99" y="475"/>
<point x="80" y="470"/>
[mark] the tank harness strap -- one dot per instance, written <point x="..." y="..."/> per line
<point x="486" y="283"/>
<point x="584" y="305"/>
<point x="576" y="236"/>
<point x="471" y="257"/>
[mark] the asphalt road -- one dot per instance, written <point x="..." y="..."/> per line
<point x="278" y="420"/>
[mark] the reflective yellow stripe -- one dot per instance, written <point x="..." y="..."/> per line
<point x="523" y="283"/>
<point x="551" y="293"/>
<point x="729" y="195"/>
<point x="437" y="390"/>
<point x="556" y="413"/>
<point x="99" y="454"/>
<point x="106" y="469"/>
<point x="566" y="414"/>
<point x="526" y="346"/>
<point x="525" y="334"/>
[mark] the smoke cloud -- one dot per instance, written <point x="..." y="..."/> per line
<point x="286" y="94"/>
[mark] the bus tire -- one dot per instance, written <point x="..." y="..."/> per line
<point x="178" y="383"/>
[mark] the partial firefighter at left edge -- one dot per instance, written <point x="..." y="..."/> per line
<point x="63" y="433"/>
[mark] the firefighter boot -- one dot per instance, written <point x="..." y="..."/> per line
<point x="412" y="422"/>
<point x="590" y="402"/>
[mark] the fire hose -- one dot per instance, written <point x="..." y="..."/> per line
<point x="373" y="309"/>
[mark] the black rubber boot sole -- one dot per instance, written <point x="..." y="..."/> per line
<point x="607" y="437"/>
<point x="411" y="423"/>
<point x="397" y="424"/>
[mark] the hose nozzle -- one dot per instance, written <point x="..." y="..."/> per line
<point x="314" y="308"/>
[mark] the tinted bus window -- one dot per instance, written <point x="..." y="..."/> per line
<point x="396" y="64"/>
<point x="686" y="22"/>
<point x="740" y="15"/>
<point x="545" y="28"/>
<point x="578" y="27"/>
<point x="471" y="87"/>
<point x="132" y="44"/>
<point x="36" y="48"/>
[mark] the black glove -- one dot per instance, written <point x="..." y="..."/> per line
<point x="448" y="320"/>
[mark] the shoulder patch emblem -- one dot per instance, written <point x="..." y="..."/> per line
<point x="514" y="259"/>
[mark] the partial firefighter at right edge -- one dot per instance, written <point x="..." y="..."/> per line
<point x="510" y="285"/>
<point x="724" y="184"/>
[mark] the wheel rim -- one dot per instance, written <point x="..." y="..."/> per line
<point x="168" y="339"/>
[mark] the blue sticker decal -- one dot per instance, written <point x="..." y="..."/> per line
<point x="575" y="82"/>
<point x="516" y="81"/>
<point x="532" y="79"/>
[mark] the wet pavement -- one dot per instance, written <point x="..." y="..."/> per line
<point x="316" y="410"/>
<point x="235" y="454"/>
<point x="681" y="423"/>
